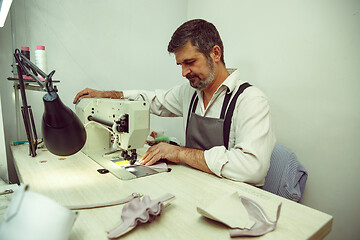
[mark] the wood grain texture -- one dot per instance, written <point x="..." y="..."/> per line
<point x="75" y="180"/>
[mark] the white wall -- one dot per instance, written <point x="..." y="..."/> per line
<point x="99" y="44"/>
<point x="3" y="159"/>
<point x="102" y="44"/>
<point x="8" y="113"/>
<point x="306" y="56"/>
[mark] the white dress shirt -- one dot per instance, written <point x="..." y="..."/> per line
<point x="251" y="139"/>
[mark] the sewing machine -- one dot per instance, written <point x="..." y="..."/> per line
<point x="114" y="125"/>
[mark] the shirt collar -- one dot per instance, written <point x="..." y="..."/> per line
<point x="232" y="81"/>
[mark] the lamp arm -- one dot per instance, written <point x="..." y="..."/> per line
<point x="25" y="64"/>
<point x="26" y="109"/>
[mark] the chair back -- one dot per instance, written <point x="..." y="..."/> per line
<point x="286" y="176"/>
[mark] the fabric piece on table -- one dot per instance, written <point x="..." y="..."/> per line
<point x="262" y="225"/>
<point x="159" y="166"/>
<point x="243" y="216"/>
<point x="98" y="205"/>
<point x="228" y="210"/>
<point x="138" y="211"/>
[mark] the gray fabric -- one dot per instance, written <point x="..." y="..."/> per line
<point x="286" y="176"/>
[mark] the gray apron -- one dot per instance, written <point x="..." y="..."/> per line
<point x="204" y="132"/>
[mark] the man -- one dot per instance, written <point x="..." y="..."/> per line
<point x="238" y="144"/>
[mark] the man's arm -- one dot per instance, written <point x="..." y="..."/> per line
<point x="251" y="142"/>
<point x="92" y="93"/>
<point x="251" y="145"/>
<point x="193" y="157"/>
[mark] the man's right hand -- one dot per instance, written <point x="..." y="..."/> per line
<point x="92" y="93"/>
<point x="88" y="93"/>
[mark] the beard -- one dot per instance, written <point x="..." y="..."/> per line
<point x="202" y="84"/>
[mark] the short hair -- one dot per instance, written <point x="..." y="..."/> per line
<point x="202" y="35"/>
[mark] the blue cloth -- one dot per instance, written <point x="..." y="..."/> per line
<point x="286" y="176"/>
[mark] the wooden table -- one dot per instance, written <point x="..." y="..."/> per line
<point x="5" y="199"/>
<point x="74" y="180"/>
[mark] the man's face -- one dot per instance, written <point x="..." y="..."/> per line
<point x="196" y="67"/>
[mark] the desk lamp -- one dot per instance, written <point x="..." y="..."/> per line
<point x="63" y="132"/>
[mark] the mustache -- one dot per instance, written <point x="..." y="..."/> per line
<point x="190" y="76"/>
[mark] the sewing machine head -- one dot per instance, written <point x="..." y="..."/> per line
<point x="113" y="124"/>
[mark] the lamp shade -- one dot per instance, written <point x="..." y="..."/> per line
<point x="63" y="132"/>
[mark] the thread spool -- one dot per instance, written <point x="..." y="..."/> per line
<point x="41" y="58"/>
<point x="26" y="52"/>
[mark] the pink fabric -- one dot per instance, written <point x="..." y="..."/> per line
<point x="98" y="205"/>
<point x="262" y="223"/>
<point x="138" y="211"/>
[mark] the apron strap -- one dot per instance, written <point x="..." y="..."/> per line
<point x="189" y="112"/>
<point x="225" y="103"/>
<point x="229" y="113"/>
<point x="195" y="104"/>
<point x="223" y="109"/>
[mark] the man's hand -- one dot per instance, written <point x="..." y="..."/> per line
<point x="161" y="151"/>
<point x="172" y="153"/>
<point x="92" y="93"/>
<point x="88" y="93"/>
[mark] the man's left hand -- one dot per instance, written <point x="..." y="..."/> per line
<point x="161" y="151"/>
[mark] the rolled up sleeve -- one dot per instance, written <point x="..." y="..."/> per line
<point x="164" y="103"/>
<point x="250" y="144"/>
